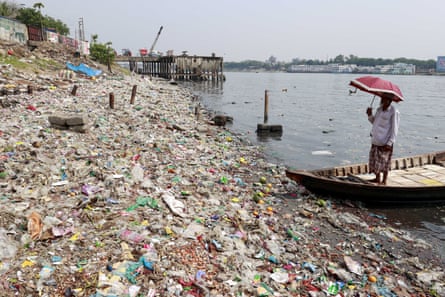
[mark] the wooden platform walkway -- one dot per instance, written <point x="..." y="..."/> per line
<point x="184" y="67"/>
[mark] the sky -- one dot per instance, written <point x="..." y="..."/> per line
<point x="240" y="30"/>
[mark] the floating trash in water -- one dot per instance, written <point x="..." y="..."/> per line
<point x="322" y="153"/>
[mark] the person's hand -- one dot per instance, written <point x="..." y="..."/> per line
<point x="369" y="111"/>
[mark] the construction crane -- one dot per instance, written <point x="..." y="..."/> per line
<point x="144" y="52"/>
<point x="154" y="42"/>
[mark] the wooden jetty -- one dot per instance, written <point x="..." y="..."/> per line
<point x="182" y="68"/>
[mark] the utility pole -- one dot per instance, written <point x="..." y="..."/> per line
<point x="81" y="36"/>
<point x="81" y="30"/>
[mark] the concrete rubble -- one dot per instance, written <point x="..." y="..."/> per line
<point x="153" y="200"/>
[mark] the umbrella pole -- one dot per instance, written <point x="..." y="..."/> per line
<point x="372" y="101"/>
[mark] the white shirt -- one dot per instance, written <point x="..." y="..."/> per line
<point x="385" y="125"/>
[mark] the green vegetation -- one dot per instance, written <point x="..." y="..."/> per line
<point x="271" y="64"/>
<point x="9" y="9"/>
<point x="32" y="16"/>
<point x="13" y="61"/>
<point x="47" y="64"/>
<point x="101" y="52"/>
<point x="35" y="66"/>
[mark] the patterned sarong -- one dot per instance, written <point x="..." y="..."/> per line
<point x="379" y="159"/>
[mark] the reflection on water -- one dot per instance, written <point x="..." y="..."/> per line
<point x="318" y="114"/>
<point x="269" y="137"/>
<point x="436" y="230"/>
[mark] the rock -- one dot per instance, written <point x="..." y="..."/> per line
<point x="76" y="123"/>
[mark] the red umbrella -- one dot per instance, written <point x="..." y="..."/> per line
<point x="377" y="86"/>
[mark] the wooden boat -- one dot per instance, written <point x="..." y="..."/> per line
<point x="417" y="180"/>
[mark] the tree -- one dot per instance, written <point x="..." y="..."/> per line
<point x="29" y="16"/>
<point x="39" y="6"/>
<point x="33" y="17"/>
<point x="340" y="59"/>
<point x="8" y="9"/>
<point x="101" y="52"/>
<point x="57" y="25"/>
<point x="272" y="60"/>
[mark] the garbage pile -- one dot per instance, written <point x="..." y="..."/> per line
<point x="40" y="68"/>
<point x="154" y="200"/>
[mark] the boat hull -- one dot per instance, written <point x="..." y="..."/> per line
<point x="334" y="182"/>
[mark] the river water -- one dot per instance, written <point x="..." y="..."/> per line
<point x="324" y="125"/>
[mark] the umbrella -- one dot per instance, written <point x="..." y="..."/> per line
<point x="378" y="87"/>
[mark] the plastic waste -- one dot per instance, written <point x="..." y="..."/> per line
<point x="200" y="275"/>
<point x="265" y="290"/>
<point x="291" y="234"/>
<point x="8" y="247"/>
<point x="353" y="265"/>
<point x="131" y="236"/>
<point x="281" y="277"/>
<point x="333" y="288"/>
<point x="146" y="263"/>
<point x="176" y="206"/>
<point x="44" y="275"/>
<point x="310" y="266"/>
<point x="35" y="225"/>
<point x="144" y="201"/>
<point x="110" y="285"/>
<point x="90" y="190"/>
<point x="260" y="254"/>
<point x="137" y="173"/>
<point x="273" y="259"/>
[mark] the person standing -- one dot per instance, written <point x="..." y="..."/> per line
<point x="385" y="126"/>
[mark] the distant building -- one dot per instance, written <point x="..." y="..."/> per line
<point x="403" y="68"/>
<point x="440" y="64"/>
<point x="398" y="68"/>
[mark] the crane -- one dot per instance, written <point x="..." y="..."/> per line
<point x="154" y="42"/>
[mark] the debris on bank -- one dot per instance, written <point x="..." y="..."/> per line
<point x="152" y="200"/>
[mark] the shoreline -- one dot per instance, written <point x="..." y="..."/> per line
<point x="152" y="199"/>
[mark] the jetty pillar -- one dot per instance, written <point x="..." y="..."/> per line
<point x="264" y="130"/>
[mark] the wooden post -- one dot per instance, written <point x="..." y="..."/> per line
<point x="74" y="90"/>
<point x="133" y="94"/>
<point x="197" y="111"/>
<point x="266" y="106"/>
<point x="112" y="100"/>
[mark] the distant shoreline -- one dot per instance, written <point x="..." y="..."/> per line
<point x="369" y="73"/>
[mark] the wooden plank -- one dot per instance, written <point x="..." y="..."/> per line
<point x="401" y="181"/>
<point x="430" y="174"/>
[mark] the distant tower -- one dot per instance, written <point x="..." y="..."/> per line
<point x="81" y="30"/>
